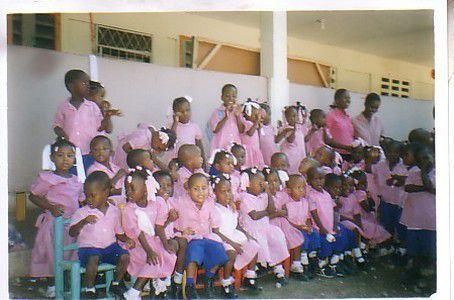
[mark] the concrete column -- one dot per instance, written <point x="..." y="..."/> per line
<point x="273" y="59"/>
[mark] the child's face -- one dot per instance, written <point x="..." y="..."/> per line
<point x="362" y="183"/>
<point x="317" y="181"/>
<point x="280" y="163"/>
<point x="136" y="191"/>
<point x="225" y="165"/>
<point x="357" y="154"/>
<point x="184" y="112"/>
<point x="274" y="182"/>
<point x="229" y="97"/>
<point x="425" y="160"/>
<point x="304" y="166"/>
<point x="408" y="158"/>
<point x="291" y="115"/>
<point x="344" y="101"/>
<point x="320" y="119"/>
<point x="157" y="144"/>
<point x="63" y="158"/>
<point x="101" y="150"/>
<point x="96" y="194"/>
<point x="240" y="155"/>
<point x="393" y="153"/>
<point x="256" y="184"/>
<point x="348" y="186"/>
<point x="80" y="86"/>
<point x="372" y="107"/>
<point x="165" y="187"/>
<point x="334" y="189"/>
<point x="324" y="156"/>
<point x="98" y="96"/>
<point x="372" y="156"/>
<point x="296" y="188"/>
<point x="198" y="190"/>
<point x="223" y="192"/>
<point x="193" y="161"/>
<point x="266" y="113"/>
<point x="173" y="170"/>
<point x="145" y="161"/>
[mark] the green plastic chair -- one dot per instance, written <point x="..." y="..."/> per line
<point x="61" y="265"/>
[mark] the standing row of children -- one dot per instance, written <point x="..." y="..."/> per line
<point x="156" y="220"/>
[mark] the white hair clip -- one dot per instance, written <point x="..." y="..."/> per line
<point x="164" y="137"/>
<point x="189" y="98"/>
<point x="139" y="168"/>
<point x="152" y="188"/>
<point x="226" y="176"/>
<point x="56" y="149"/>
<point x="283" y="176"/>
<point x="254" y="170"/>
<point x="129" y="179"/>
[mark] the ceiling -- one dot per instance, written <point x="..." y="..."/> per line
<point x="402" y="35"/>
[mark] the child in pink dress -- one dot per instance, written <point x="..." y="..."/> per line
<point x="97" y="227"/>
<point x="224" y="164"/>
<point x="318" y="134"/>
<point x="241" y="247"/>
<point x="371" y="157"/>
<point x="255" y="207"/>
<point x="57" y="193"/>
<point x="356" y="161"/>
<point x="306" y="164"/>
<point x="326" y="156"/>
<point x="267" y="135"/>
<point x="293" y="133"/>
<point x="197" y="222"/>
<point x="144" y="217"/>
<point x="101" y="150"/>
<point x="226" y="121"/>
<point x="239" y="153"/>
<point x="279" y="161"/>
<point x="187" y="131"/>
<point x="191" y="160"/>
<point x="147" y="138"/>
<point x="252" y="120"/>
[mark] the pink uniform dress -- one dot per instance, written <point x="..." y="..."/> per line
<point x="138" y="139"/>
<point x="390" y="194"/>
<point x="298" y="212"/>
<point x="419" y="208"/>
<point x="96" y="166"/>
<point x="169" y="230"/>
<point x="138" y="219"/>
<point x="186" y="134"/>
<point x="267" y="144"/>
<point x="229" y="132"/>
<point x="293" y="236"/>
<point x="371" y="131"/>
<point x="273" y="246"/>
<point x="80" y="125"/>
<point x="372" y="187"/>
<point x="235" y="182"/>
<point x="316" y="140"/>
<point x="61" y="191"/>
<point x="296" y="151"/>
<point x="341" y="128"/>
<point x="184" y="174"/>
<point x="228" y="226"/>
<point x="251" y="144"/>
<point x="322" y="202"/>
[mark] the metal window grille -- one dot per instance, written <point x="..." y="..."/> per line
<point x="395" y="87"/>
<point x="123" y="44"/>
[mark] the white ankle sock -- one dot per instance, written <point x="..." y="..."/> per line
<point x="178" y="278"/>
<point x="250" y="274"/>
<point x="304" y="259"/>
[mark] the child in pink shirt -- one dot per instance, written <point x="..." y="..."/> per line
<point x="197" y="222"/>
<point x="372" y="157"/>
<point x="140" y="157"/>
<point x="252" y="120"/>
<point x="318" y="134"/>
<point x="306" y="164"/>
<point x="147" y="138"/>
<point x="239" y="153"/>
<point x="356" y="161"/>
<point x="241" y="247"/>
<point x="187" y="131"/>
<point x="325" y="155"/>
<point x="267" y="135"/>
<point x="57" y="193"/>
<point x="293" y="133"/>
<point x="78" y="119"/>
<point x="191" y="160"/>
<point x="280" y="161"/>
<point x="101" y="150"/>
<point x="225" y="121"/>
<point x="97" y="227"/>
<point x="255" y="207"/>
<point x="144" y="220"/>
<point x="224" y="164"/>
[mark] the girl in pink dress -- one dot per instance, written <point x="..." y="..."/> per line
<point x="372" y="157"/>
<point x="293" y="132"/>
<point x="101" y="150"/>
<point x="239" y="153"/>
<point x="356" y="161"/>
<point x="256" y="205"/>
<point x="326" y="156"/>
<point x="57" y="193"/>
<point x="144" y="216"/>
<point x="191" y="160"/>
<point x="267" y="135"/>
<point x="225" y="122"/>
<point x="224" y="163"/>
<point x="144" y="137"/>
<point x="318" y="134"/>
<point x="241" y="247"/>
<point x="252" y="120"/>
<point x="187" y="131"/>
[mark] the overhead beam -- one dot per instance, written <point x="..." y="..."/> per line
<point x="322" y="76"/>
<point x="209" y="56"/>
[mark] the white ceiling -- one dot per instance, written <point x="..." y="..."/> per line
<point x="402" y="35"/>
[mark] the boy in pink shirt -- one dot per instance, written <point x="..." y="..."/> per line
<point x="78" y="119"/>
<point x="191" y="160"/>
<point x="97" y="227"/>
<point x="318" y="134"/>
<point x="367" y="124"/>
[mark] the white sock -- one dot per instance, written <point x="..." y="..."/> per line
<point x="92" y="289"/>
<point x="250" y="274"/>
<point x="312" y="254"/>
<point x="279" y="271"/>
<point x="402" y="251"/>
<point x="321" y="263"/>
<point x="132" y="292"/>
<point x="297" y="267"/>
<point x="178" y="278"/>
<point x="357" y="253"/>
<point x="334" y="259"/>
<point x="227" y="282"/>
<point x="167" y="281"/>
<point x="362" y="245"/>
<point x="348" y="252"/>
<point x="341" y="256"/>
<point x="304" y="259"/>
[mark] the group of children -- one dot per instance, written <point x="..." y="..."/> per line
<point x="262" y="197"/>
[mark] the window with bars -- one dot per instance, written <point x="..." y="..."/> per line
<point x="33" y="30"/>
<point x="123" y="44"/>
<point x="395" y="87"/>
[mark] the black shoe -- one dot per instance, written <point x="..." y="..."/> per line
<point x="363" y="266"/>
<point x="176" y="291"/>
<point x="251" y="285"/>
<point x="326" y="272"/>
<point x="89" y="295"/>
<point x="209" y="287"/>
<point x="281" y="281"/>
<point x="338" y="271"/>
<point x="262" y="271"/>
<point x="191" y="292"/>
<point x="313" y="265"/>
<point x="308" y="272"/>
<point x="118" y="289"/>
<point x="229" y="292"/>
<point x="350" y="264"/>
<point x="300" y="276"/>
<point x="344" y="268"/>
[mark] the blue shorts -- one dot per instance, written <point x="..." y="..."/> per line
<point x="88" y="160"/>
<point x="390" y="217"/>
<point x="422" y="243"/>
<point x="109" y="255"/>
<point x="345" y="240"/>
<point x="349" y="239"/>
<point x="206" y="253"/>
<point x="311" y="241"/>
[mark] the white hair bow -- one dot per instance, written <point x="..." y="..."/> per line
<point x="152" y="186"/>
<point x="189" y="98"/>
<point x="248" y="105"/>
<point x="211" y="159"/>
<point x="164" y="137"/>
<point x="244" y="181"/>
<point x="358" y="142"/>
<point x="283" y="176"/>
<point x="144" y="222"/>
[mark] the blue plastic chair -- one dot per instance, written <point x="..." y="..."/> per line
<point x="73" y="266"/>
